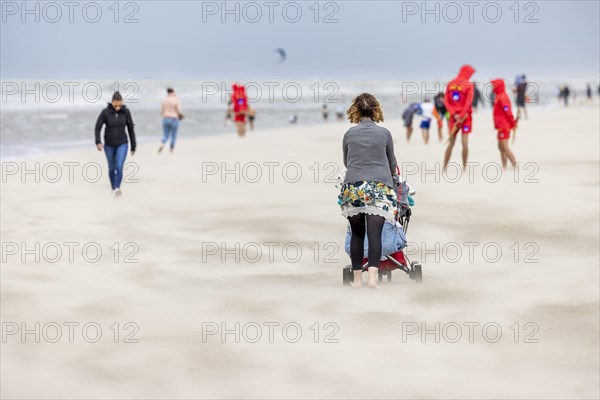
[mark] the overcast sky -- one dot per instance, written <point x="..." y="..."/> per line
<point x="363" y="39"/>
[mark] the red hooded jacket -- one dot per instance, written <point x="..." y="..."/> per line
<point x="459" y="92"/>
<point x="503" y="116"/>
<point x="239" y="98"/>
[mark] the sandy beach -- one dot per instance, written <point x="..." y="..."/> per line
<point x="218" y="273"/>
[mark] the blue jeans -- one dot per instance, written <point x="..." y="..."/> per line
<point x="116" y="159"/>
<point x="170" y="126"/>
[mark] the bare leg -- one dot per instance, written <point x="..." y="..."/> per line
<point x="440" y="135"/>
<point x="451" y="142"/>
<point x="425" y="135"/>
<point x="408" y="133"/>
<point x="508" y="153"/>
<point x="241" y="128"/>
<point x="525" y="112"/>
<point x="502" y="154"/>
<point x="465" y="149"/>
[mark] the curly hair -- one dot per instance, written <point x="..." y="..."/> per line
<point x="365" y="106"/>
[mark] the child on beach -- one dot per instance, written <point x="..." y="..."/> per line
<point x="504" y="121"/>
<point x="428" y="111"/>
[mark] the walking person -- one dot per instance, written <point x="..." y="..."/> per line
<point x="116" y="117"/>
<point x="440" y="108"/>
<point x="170" y="110"/>
<point x="367" y="197"/>
<point x="458" y="100"/>
<point x="504" y="122"/>
<point x="521" y="95"/>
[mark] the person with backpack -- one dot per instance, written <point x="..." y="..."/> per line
<point x="116" y="117"/>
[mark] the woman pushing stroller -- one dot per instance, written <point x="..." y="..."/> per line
<point x="367" y="197"/>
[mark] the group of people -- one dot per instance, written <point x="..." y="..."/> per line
<point x="368" y="197"/>
<point x="456" y="106"/>
<point x="119" y="131"/>
<point x="339" y="113"/>
<point x="118" y="125"/>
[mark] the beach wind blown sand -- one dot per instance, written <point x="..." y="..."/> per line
<point x="229" y="231"/>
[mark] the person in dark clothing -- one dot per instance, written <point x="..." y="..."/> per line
<point x="407" y="117"/>
<point x="477" y="97"/>
<point x="588" y="92"/>
<point x="115" y="117"/>
<point x="438" y="101"/>
<point x="521" y="96"/>
<point x="566" y="94"/>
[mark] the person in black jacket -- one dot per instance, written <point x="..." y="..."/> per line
<point x="116" y="117"/>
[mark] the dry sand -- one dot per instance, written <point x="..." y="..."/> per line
<point x="177" y="217"/>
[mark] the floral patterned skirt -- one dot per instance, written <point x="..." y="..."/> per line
<point x="368" y="197"/>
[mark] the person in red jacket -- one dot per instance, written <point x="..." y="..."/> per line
<point x="504" y="121"/>
<point x="240" y="107"/>
<point x="458" y="100"/>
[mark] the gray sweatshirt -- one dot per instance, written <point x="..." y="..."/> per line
<point x="369" y="154"/>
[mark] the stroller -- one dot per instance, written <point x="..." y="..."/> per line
<point x="392" y="256"/>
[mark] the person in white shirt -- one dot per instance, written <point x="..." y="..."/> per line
<point x="427" y="110"/>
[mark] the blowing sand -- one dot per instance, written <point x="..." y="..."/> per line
<point x="538" y="300"/>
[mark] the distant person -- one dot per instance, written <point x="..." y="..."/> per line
<point x="170" y="110"/>
<point x="441" y="111"/>
<point x="521" y="89"/>
<point x="239" y="100"/>
<point x="251" y="117"/>
<point x="477" y="97"/>
<point x="427" y="113"/>
<point x="458" y="100"/>
<point x="339" y="113"/>
<point x="228" y="113"/>
<point x="367" y="197"/>
<point x="293" y="119"/>
<point x="325" y="112"/>
<point x="588" y="92"/>
<point x="115" y="118"/>
<point x="407" y="117"/>
<point x="566" y="94"/>
<point x="504" y="122"/>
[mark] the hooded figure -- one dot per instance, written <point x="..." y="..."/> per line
<point x="459" y="97"/>
<point x="504" y="121"/>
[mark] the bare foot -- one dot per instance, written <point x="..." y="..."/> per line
<point x="373" y="276"/>
<point x="357" y="282"/>
<point x="160" y="148"/>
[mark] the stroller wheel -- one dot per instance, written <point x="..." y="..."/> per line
<point x="418" y="273"/>
<point x="380" y="276"/>
<point x="347" y="275"/>
<point x="389" y="276"/>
